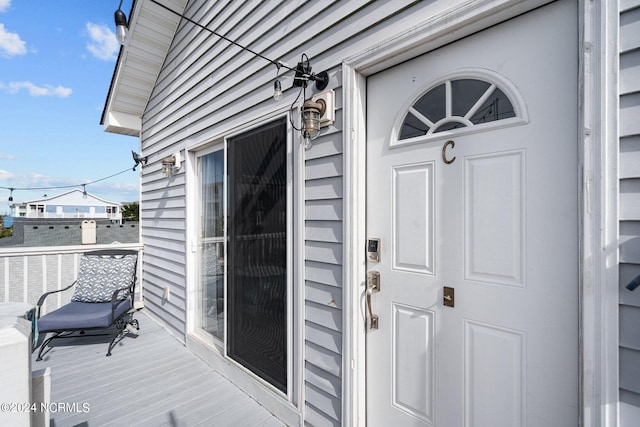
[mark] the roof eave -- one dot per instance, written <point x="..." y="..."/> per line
<point x="151" y="32"/>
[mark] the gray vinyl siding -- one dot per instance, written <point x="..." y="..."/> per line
<point x="205" y="89"/>
<point x="629" y="172"/>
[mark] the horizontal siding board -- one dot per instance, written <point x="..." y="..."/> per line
<point x="324" y="210"/>
<point x="629" y="408"/>
<point x="327" y="274"/>
<point x="629" y="330"/>
<point x="324" y="337"/>
<point x="630" y="248"/>
<point x="630" y="30"/>
<point x="149" y="224"/>
<point x="324" y="188"/>
<point x="329" y="253"/>
<point x="322" y="381"/>
<point x="325" y="146"/>
<point x="315" y="417"/>
<point x="322" y="294"/>
<point x="630" y="72"/>
<point x="324" y="231"/>
<point x="324" y="315"/>
<point x="324" y="359"/>
<point x="169" y="311"/>
<point x="627" y="5"/>
<point x="329" y="405"/>
<point x="629" y="112"/>
<point x="160" y="256"/>
<point x="630" y="199"/>
<point x="323" y="167"/>
<point x="629" y="166"/>
<point x="630" y="369"/>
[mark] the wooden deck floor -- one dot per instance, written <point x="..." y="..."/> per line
<point x="150" y="380"/>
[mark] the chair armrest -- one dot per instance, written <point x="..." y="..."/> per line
<point x="114" y="299"/>
<point x="45" y="295"/>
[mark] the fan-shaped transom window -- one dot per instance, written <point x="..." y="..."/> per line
<point x="456" y="104"/>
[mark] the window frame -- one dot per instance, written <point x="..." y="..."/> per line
<point x="500" y="82"/>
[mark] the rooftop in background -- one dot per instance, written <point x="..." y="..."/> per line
<point x="39" y="232"/>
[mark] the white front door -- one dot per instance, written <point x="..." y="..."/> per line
<point x="472" y="188"/>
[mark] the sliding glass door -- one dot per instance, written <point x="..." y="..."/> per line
<point x="210" y="312"/>
<point x="249" y="250"/>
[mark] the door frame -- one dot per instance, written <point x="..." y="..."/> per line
<point x="597" y="52"/>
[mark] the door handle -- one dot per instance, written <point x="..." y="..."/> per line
<point x="373" y="285"/>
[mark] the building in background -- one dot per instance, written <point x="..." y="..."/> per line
<point x="74" y="204"/>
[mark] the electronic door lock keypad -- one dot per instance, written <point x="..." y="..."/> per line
<point x="373" y="250"/>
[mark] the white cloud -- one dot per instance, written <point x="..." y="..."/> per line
<point x="33" y="90"/>
<point x="103" y="44"/>
<point x="4" y="5"/>
<point x="10" y="43"/>
<point x="6" y="156"/>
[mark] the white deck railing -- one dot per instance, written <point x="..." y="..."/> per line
<point x="27" y="273"/>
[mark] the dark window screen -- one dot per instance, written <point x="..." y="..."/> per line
<point x="257" y="224"/>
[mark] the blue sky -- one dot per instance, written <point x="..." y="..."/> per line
<point x="56" y="62"/>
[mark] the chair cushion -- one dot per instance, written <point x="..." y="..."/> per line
<point x="82" y="315"/>
<point x="98" y="278"/>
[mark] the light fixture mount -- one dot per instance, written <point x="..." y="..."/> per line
<point x="304" y="75"/>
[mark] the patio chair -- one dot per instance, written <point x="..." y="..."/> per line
<point x="102" y="299"/>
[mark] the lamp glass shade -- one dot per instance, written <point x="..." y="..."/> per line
<point x="121" y="26"/>
<point x="311" y="119"/>
<point x="311" y="113"/>
<point x="277" y="90"/>
<point x="121" y="34"/>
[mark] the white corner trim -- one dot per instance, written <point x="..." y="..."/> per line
<point x="598" y="115"/>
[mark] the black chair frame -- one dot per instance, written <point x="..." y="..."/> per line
<point x="120" y="322"/>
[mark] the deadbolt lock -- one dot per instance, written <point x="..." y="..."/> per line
<point x="448" y="297"/>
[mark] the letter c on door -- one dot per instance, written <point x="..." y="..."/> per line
<point x="444" y="152"/>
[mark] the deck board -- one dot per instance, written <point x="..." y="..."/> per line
<point x="151" y="379"/>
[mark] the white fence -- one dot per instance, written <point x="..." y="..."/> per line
<point x="27" y="273"/>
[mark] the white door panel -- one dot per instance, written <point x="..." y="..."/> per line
<point x="498" y="225"/>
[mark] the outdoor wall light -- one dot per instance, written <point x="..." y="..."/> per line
<point x="121" y="25"/>
<point x="311" y="113"/>
<point x="168" y="164"/>
<point x="171" y="164"/>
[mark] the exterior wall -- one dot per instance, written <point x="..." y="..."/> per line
<point x="629" y="173"/>
<point x="208" y="88"/>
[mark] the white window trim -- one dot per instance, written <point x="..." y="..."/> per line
<point x="598" y="189"/>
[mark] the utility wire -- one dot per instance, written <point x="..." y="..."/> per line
<point x="59" y="187"/>
<point x="276" y="63"/>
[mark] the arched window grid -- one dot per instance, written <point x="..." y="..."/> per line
<point x="487" y="111"/>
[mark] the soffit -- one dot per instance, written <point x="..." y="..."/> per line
<point x="151" y="30"/>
